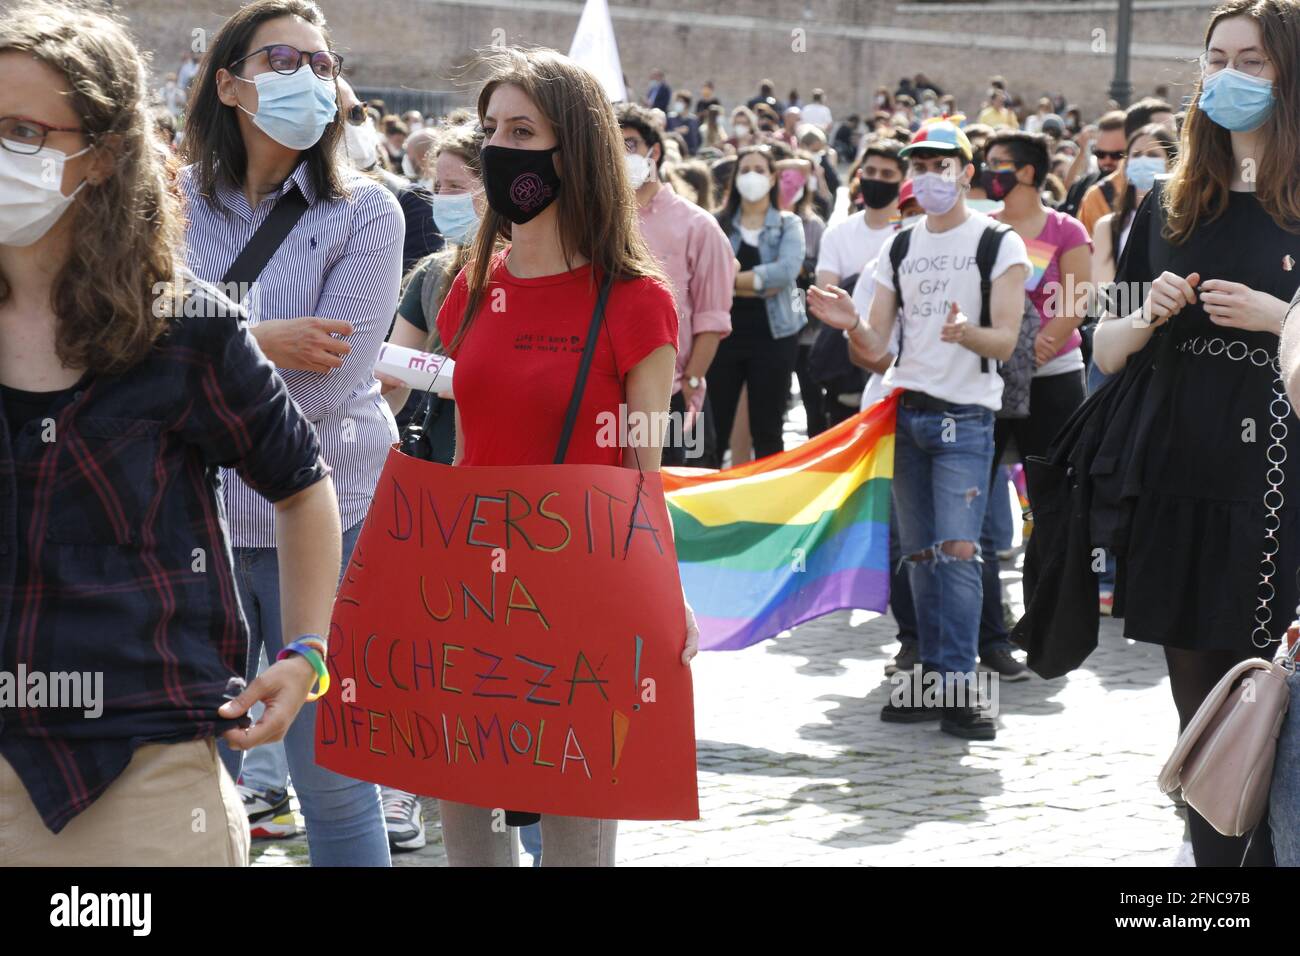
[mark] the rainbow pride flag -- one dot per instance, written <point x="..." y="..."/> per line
<point x="1040" y="257"/>
<point x="785" y="539"/>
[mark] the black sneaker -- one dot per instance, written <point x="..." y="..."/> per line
<point x="906" y="658"/>
<point x="1001" y="661"/>
<point x="966" y="722"/>
<point x="909" y="714"/>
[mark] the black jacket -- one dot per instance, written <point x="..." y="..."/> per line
<point x="1087" y="487"/>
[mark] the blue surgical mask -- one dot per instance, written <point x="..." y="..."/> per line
<point x="1142" y="171"/>
<point x="293" y="109"/>
<point x="455" y="216"/>
<point x="1236" y="101"/>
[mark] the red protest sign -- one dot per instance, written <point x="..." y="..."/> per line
<point x="512" y="637"/>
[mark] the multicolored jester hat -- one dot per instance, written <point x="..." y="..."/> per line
<point x="782" y="540"/>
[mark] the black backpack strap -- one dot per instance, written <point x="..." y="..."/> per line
<point x="897" y="253"/>
<point x="261" y="246"/>
<point x="1108" y="191"/>
<point x="986" y="255"/>
<point x="584" y="367"/>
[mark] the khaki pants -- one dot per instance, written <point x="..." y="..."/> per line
<point x="174" y="805"/>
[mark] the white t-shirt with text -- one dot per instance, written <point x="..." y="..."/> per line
<point x="940" y="269"/>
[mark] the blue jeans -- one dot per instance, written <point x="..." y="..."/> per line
<point x="900" y="588"/>
<point x="942" y="462"/>
<point x="993" y="626"/>
<point x="1284" y="797"/>
<point x="531" y="837"/>
<point x="345" y="820"/>
<point x="1000" y="518"/>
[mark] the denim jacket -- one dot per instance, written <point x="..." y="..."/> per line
<point x="780" y="247"/>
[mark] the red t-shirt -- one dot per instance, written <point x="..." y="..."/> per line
<point x="516" y="369"/>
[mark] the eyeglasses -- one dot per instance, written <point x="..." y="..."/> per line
<point x="1211" y="62"/>
<point x="287" y="60"/>
<point x="1116" y="154"/>
<point x="21" y="135"/>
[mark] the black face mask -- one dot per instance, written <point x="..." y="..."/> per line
<point x="998" y="185"/>
<point x="877" y="193"/>
<point x="519" y="183"/>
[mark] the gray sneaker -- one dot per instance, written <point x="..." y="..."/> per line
<point x="1001" y="661"/>
<point x="403" y="818"/>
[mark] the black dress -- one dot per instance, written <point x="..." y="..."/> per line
<point x="1215" y="535"/>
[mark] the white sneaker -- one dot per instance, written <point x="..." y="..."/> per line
<point x="404" y="819"/>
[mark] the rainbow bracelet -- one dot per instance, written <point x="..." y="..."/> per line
<point x="311" y="647"/>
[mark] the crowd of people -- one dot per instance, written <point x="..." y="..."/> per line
<point x="994" y="267"/>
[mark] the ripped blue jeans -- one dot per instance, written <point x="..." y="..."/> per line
<point x="942" y="461"/>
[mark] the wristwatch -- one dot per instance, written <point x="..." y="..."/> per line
<point x="694" y="381"/>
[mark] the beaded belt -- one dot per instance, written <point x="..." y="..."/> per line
<point x="1280" y="409"/>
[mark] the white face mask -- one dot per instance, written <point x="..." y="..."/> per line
<point x="753" y="185"/>
<point x="638" y="169"/>
<point x="408" y="167"/>
<point x="362" y="144"/>
<point x="741" y="129"/>
<point x="31" y="197"/>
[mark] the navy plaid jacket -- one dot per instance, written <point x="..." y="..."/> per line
<point x="114" y="555"/>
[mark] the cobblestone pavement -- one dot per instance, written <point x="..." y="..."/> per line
<point x="796" y="767"/>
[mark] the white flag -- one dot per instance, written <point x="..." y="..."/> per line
<point x="595" y="48"/>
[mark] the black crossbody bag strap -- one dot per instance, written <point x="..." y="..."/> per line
<point x="584" y="367"/>
<point x="270" y="235"/>
<point x="523" y="818"/>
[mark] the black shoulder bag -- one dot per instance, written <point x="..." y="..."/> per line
<point x="270" y="235"/>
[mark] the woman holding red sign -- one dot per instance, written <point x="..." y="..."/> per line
<point x="557" y="192"/>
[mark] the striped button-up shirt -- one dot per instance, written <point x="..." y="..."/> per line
<point x="342" y="260"/>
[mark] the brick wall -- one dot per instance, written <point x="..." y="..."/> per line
<point x="846" y="47"/>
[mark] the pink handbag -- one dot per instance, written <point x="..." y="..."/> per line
<point x="1224" y="759"/>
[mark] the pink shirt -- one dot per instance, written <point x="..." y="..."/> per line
<point x="1059" y="235"/>
<point x="696" y="255"/>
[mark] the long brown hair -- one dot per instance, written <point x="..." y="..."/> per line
<point x="1198" y="189"/>
<point x="597" y="208"/>
<point x="213" y="142"/>
<point x="128" y="227"/>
